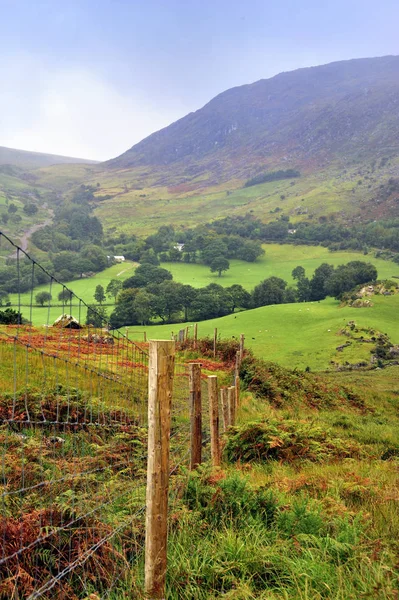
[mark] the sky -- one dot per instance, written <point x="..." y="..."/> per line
<point x="90" y="78"/>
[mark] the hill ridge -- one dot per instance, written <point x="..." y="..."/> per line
<point x="313" y="113"/>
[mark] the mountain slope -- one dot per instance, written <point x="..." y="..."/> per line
<point x="34" y="160"/>
<point x="344" y="109"/>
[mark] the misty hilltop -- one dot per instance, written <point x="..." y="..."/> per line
<point x="347" y="109"/>
<point x="26" y="159"/>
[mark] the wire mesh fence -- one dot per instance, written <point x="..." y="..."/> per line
<point x="73" y="439"/>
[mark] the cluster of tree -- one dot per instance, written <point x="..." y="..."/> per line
<point x="330" y="281"/>
<point x="18" y="276"/>
<point x="29" y="208"/>
<point x="272" y="176"/>
<point x="172" y="302"/>
<point x="74" y="241"/>
<point x="189" y="245"/>
<point x="327" y="232"/>
<point x="152" y="293"/>
<point x="381" y="234"/>
<point x="45" y="297"/>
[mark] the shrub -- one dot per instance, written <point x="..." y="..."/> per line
<point x="286" y="440"/>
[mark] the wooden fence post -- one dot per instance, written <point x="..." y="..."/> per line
<point x="195" y="335"/>
<point x="231" y="401"/>
<point x="242" y="338"/>
<point x="160" y="386"/>
<point x="225" y="408"/>
<point x="145" y="336"/>
<point x="195" y="415"/>
<point x="187" y="331"/>
<point x="237" y="379"/>
<point x="214" y="419"/>
<point x="215" y="339"/>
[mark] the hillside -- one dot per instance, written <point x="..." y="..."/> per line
<point x="347" y="109"/>
<point x="24" y="159"/>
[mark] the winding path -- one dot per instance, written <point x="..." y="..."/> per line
<point x="24" y="239"/>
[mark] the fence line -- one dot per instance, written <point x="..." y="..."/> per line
<point x="73" y="439"/>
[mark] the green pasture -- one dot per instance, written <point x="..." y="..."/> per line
<point x="278" y="260"/>
<point x="294" y="335"/>
<point x="83" y="288"/>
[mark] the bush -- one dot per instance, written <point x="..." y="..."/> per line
<point x="281" y="386"/>
<point x="230" y="500"/>
<point x="286" y="440"/>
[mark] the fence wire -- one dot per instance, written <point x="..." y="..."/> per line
<point x="73" y="439"/>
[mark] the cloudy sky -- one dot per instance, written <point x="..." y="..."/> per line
<point x="90" y="78"/>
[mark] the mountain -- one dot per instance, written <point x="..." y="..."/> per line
<point x="24" y="159"/>
<point x="347" y="109"/>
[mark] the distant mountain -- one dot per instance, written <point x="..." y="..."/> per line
<point x="346" y="109"/>
<point x="34" y="160"/>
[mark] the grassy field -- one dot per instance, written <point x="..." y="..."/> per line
<point x="83" y="288"/>
<point x="294" y="335"/>
<point x="278" y="260"/>
<point x="291" y="334"/>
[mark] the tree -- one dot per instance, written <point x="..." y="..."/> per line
<point x="142" y="306"/>
<point x="318" y="281"/>
<point x="4" y="218"/>
<point x="96" y="316"/>
<point x="214" y="248"/>
<point x="64" y="261"/>
<point x="250" y="251"/>
<point x="304" y="289"/>
<point x="187" y="296"/>
<point x="240" y="297"/>
<point x="95" y="255"/>
<point x="204" y="306"/>
<point x="124" y="313"/>
<point x="298" y="273"/>
<point x="269" y="291"/>
<point x="82" y="265"/>
<point x="99" y="294"/>
<point x="30" y="209"/>
<point x="65" y="295"/>
<point x="43" y="297"/>
<point x="146" y="274"/>
<point x="219" y="264"/>
<point x="114" y="287"/>
<point x="12" y="208"/>
<point x="167" y="299"/>
<point x="149" y="257"/>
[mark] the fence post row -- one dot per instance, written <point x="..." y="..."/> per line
<point x="195" y="415"/>
<point x="160" y="386"/>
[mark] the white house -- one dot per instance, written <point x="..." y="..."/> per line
<point x="119" y="259"/>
